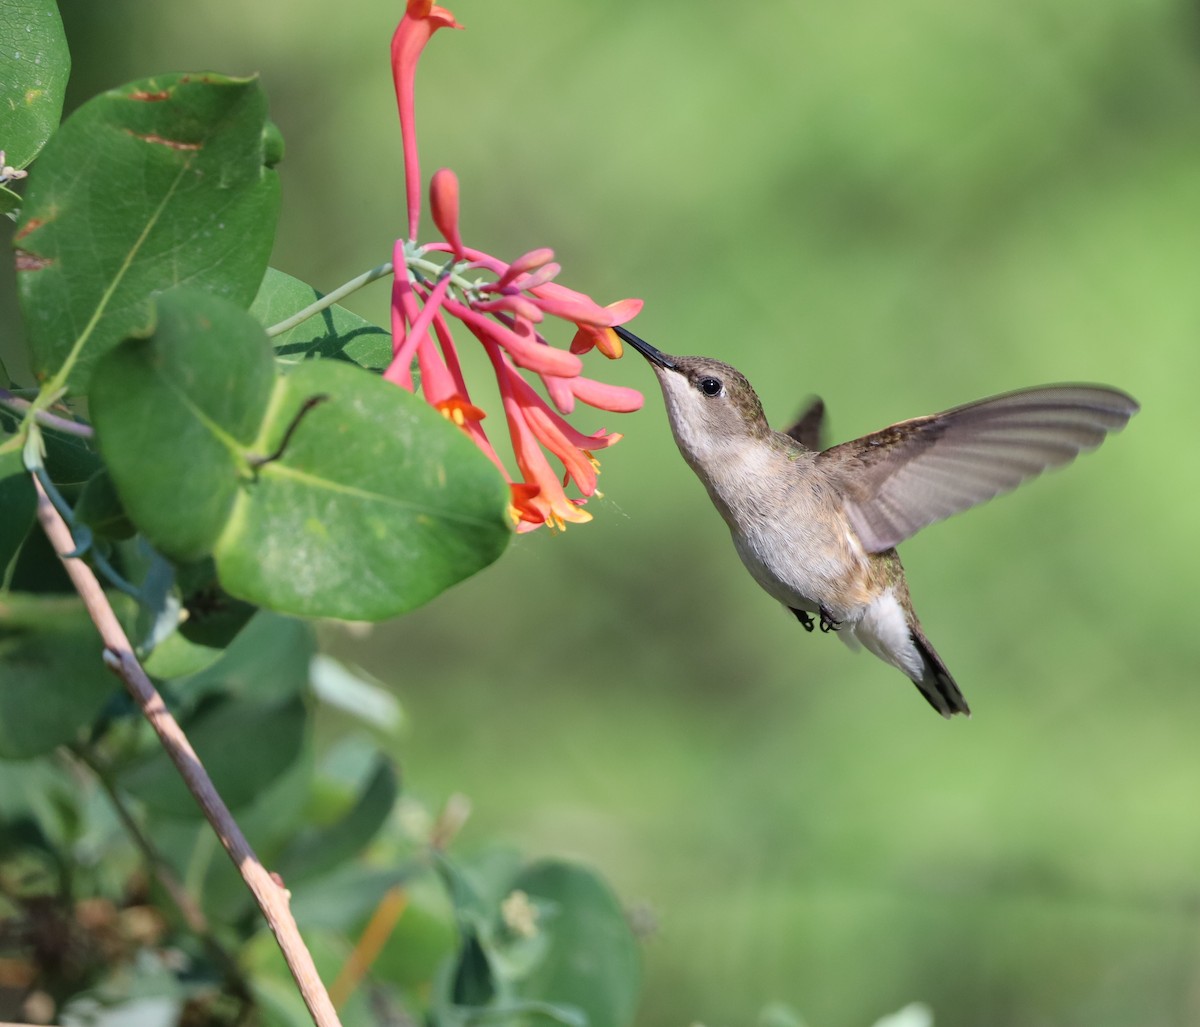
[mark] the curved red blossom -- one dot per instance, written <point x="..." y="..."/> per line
<point x="443" y="205"/>
<point x="616" y="398"/>
<point x="531" y="261"/>
<point x="421" y="20"/>
<point x="503" y="304"/>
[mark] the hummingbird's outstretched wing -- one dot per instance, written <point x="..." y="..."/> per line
<point x="809" y="429"/>
<point x="917" y="472"/>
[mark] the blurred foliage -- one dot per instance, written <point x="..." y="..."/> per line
<point x="903" y="206"/>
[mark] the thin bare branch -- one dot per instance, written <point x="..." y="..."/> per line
<point x="270" y="894"/>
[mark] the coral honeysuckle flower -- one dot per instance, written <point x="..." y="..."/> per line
<point x="505" y="306"/>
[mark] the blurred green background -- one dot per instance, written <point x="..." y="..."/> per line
<point x="900" y="205"/>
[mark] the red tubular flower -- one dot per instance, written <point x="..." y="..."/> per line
<point x="443" y="205"/>
<point x="504" y="305"/>
<point x="421" y="20"/>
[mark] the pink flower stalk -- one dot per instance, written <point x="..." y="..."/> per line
<point x="503" y="304"/>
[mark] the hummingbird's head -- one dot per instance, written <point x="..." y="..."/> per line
<point x="711" y="406"/>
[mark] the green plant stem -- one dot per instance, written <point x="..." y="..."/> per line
<point x="330" y="298"/>
<point x="99" y="559"/>
<point x="19" y="405"/>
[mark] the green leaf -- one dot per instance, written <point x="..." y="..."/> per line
<point x="376" y="505"/>
<point x="101" y="510"/>
<point x="473" y="983"/>
<point x="244" y="746"/>
<point x="174" y="414"/>
<point x="214" y="617"/>
<point x="267" y="661"/>
<point x="18" y="507"/>
<point x="9" y="201"/>
<point x="316" y="852"/>
<point x="336" y="495"/>
<point x="38" y="568"/>
<point x="34" y="66"/>
<point x="593" y="961"/>
<point x="335" y="332"/>
<point x="176" y="656"/>
<point x="54" y="681"/>
<point x="347" y="896"/>
<point x="158" y="182"/>
<point x="70" y="460"/>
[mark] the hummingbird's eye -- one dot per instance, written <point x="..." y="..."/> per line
<point x="710" y="386"/>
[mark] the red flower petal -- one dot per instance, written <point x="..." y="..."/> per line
<point x="421" y="20"/>
<point x="616" y="398"/>
<point x="443" y="205"/>
<point x="526" y="352"/>
<point x="526" y="262"/>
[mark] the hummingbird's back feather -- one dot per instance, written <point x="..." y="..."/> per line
<point x="914" y="473"/>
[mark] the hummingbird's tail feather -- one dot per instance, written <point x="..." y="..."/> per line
<point x="935" y="682"/>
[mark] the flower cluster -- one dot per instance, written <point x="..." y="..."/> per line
<point x="502" y="304"/>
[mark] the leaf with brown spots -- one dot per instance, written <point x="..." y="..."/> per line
<point x="133" y="197"/>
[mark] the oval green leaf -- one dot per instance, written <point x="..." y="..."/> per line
<point x="33" y="77"/>
<point x="593" y="961"/>
<point x="326" y="492"/>
<point x="376" y="505"/>
<point x="174" y="412"/>
<point x="158" y="182"/>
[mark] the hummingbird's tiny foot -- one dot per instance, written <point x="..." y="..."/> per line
<point x="803" y="618"/>
<point x="828" y="623"/>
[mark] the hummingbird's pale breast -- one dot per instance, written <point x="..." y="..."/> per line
<point x="787" y="524"/>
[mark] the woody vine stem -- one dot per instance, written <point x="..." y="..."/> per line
<point x="269" y="892"/>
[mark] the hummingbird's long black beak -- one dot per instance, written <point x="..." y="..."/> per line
<point x="644" y="348"/>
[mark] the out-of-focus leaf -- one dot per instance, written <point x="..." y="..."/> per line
<point x="70" y="460"/>
<point x="916" y="1014"/>
<point x="268" y="661"/>
<point x="38" y="569"/>
<point x="101" y="510"/>
<point x="18" y="508"/>
<point x="275" y="990"/>
<point x="159" y="607"/>
<point x="424" y="937"/>
<point x="317" y="851"/>
<point x="593" y="961"/>
<point x="335" y="332"/>
<point x="33" y="77"/>
<point x="176" y="657"/>
<point x="473" y="983"/>
<point x="346" y="897"/>
<point x="53" y="681"/>
<point x="214" y="617"/>
<point x="155" y="183"/>
<point x="356" y="693"/>
<point x="244" y="746"/>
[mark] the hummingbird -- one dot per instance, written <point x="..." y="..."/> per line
<point x="818" y="527"/>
